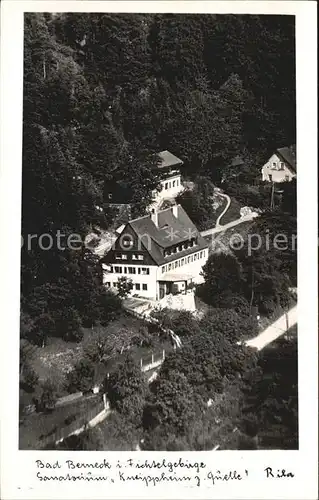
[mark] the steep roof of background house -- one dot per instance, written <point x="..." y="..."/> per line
<point x="170" y="231"/>
<point x="288" y="155"/>
<point x="167" y="159"/>
<point x="237" y="161"/>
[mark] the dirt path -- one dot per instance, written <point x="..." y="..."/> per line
<point x="274" y="331"/>
<point x="228" y="201"/>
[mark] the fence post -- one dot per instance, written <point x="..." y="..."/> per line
<point x="163" y="357"/>
<point x="152" y="358"/>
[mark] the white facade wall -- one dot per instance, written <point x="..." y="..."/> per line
<point x="277" y="169"/>
<point x="171" y="187"/>
<point x="140" y="279"/>
<point x="193" y="267"/>
<point x="156" y="273"/>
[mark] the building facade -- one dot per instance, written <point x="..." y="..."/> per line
<point x="281" y="166"/>
<point x="162" y="253"/>
<point x="170" y="176"/>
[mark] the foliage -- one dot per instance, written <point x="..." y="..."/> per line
<point x="270" y="409"/>
<point x="48" y="396"/>
<point x="229" y="324"/>
<point x="223" y="277"/>
<point x="30" y="378"/>
<point x="126" y="389"/>
<point x="198" y="366"/>
<point x="81" y="377"/>
<point x="199" y="203"/>
<point x="124" y="287"/>
<point x="182" y="323"/>
<point x="171" y="404"/>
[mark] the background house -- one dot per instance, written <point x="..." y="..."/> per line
<point x="281" y="166"/>
<point x="170" y="175"/>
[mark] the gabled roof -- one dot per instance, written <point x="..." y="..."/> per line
<point x="169" y="231"/>
<point x="288" y="155"/>
<point x="167" y="159"/>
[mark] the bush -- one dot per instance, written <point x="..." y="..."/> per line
<point x="48" y="396"/>
<point x="30" y="379"/>
<point x="81" y="378"/>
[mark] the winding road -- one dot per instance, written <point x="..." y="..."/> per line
<point x="228" y="201"/>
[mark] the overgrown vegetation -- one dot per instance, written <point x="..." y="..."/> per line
<point x="102" y="94"/>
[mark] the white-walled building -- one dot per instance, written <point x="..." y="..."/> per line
<point x="281" y="166"/>
<point x="162" y="253"/>
<point x="171" y="184"/>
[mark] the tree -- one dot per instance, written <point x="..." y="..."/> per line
<point x="229" y="324"/>
<point x="199" y="203"/>
<point x="48" y="396"/>
<point x="126" y="389"/>
<point x="171" y="405"/>
<point x="29" y="379"/>
<point x="223" y="276"/>
<point x="81" y="377"/>
<point x="198" y="366"/>
<point x="124" y="287"/>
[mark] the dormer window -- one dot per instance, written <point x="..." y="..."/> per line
<point x="126" y="241"/>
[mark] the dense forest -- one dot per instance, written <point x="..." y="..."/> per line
<point x="102" y="94"/>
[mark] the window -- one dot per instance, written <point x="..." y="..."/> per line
<point x="177" y="183"/>
<point x="182" y="262"/>
<point x="192" y="258"/>
<point x="134" y="256"/>
<point x="140" y="257"/>
<point x="281" y="165"/>
<point x="176" y="264"/>
<point x="270" y="177"/>
<point x="125" y="270"/>
<point x="108" y="284"/>
<point x="195" y="256"/>
<point x="117" y="269"/>
<point x="174" y="183"/>
<point x="201" y="255"/>
<point x="137" y="286"/>
<point x="180" y="248"/>
<point x="169" y="185"/>
<point x="144" y="286"/>
<point x="127" y="241"/>
<point x="163" y="269"/>
<point x="169" y="267"/>
<point x="124" y="256"/>
<point x="166" y="185"/>
<point x="115" y="284"/>
<point x="131" y="270"/>
<point x="286" y="178"/>
<point x="143" y="270"/>
<point x="117" y="256"/>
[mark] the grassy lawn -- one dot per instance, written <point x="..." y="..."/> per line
<point x="222" y="240"/>
<point x="58" y="357"/>
<point x="233" y="212"/>
<point x="38" y="429"/>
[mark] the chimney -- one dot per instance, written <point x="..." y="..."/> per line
<point x="154" y="217"/>
<point x="175" y="210"/>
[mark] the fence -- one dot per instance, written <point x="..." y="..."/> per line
<point x="79" y="424"/>
<point x="152" y="361"/>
